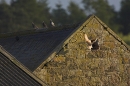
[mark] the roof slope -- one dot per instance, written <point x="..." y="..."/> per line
<point x="12" y="73"/>
<point x="31" y="50"/>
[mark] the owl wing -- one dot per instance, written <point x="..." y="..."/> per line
<point x="87" y="40"/>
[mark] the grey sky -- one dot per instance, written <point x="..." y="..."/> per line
<point x="115" y="3"/>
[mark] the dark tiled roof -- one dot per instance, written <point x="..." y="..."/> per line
<point x="31" y="50"/>
<point x="12" y="73"/>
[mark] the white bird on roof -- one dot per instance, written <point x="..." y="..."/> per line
<point x="44" y="25"/>
<point x="34" y="26"/>
<point x="52" y="23"/>
<point x="92" y="44"/>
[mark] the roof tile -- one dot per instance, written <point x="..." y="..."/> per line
<point x="31" y="50"/>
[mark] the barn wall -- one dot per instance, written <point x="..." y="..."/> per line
<point x="77" y="66"/>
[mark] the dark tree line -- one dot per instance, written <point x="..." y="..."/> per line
<point x="19" y="14"/>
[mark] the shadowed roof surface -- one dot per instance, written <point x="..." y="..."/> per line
<point x="31" y="50"/>
<point x="13" y="73"/>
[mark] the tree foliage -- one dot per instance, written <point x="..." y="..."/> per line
<point x="103" y="10"/>
<point x="20" y="13"/>
<point x="5" y="17"/>
<point x="124" y="16"/>
<point x="60" y="15"/>
<point x="76" y="14"/>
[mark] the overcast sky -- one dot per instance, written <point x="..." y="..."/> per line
<point x="65" y="3"/>
<point x="115" y="3"/>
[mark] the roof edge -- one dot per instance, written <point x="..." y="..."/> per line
<point x="112" y="33"/>
<point x="20" y="65"/>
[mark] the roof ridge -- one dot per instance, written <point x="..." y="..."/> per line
<point x="42" y="30"/>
